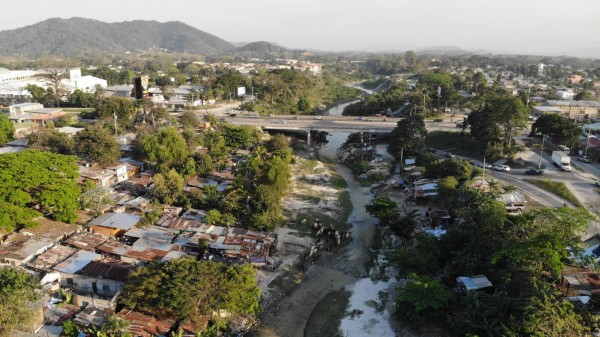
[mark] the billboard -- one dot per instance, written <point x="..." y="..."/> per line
<point x="240" y="91"/>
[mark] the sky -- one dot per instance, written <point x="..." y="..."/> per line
<point x="547" y="27"/>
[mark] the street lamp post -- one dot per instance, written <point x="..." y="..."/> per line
<point x="541" y="152"/>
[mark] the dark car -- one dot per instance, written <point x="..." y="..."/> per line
<point x="438" y="120"/>
<point x="534" y="172"/>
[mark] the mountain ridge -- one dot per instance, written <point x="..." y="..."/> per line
<point x="56" y="36"/>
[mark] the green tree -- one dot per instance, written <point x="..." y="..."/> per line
<point x="187" y="288"/>
<point x="7" y="129"/>
<point x="17" y="292"/>
<point x="560" y="129"/>
<point x="46" y="139"/>
<point x="70" y="328"/>
<point x="423" y="297"/>
<point x="497" y="121"/>
<point x="42" y="179"/>
<point x="383" y="208"/>
<point x="236" y="136"/>
<point x="204" y="164"/>
<point x="408" y="137"/>
<point x="189" y="119"/>
<point x="166" y="148"/>
<point x="213" y="217"/>
<point x="97" y="144"/>
<point x="168" y="187"/>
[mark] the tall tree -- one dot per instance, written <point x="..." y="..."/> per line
<point x="408" y="137"/>
<point x="18" y="290"/>
<point x="98" y="144"/>
<point x="7" y="129"/>
<point x="168" y="187"/>
<point x="560" y="129"/>
<point x="166" y="148"/>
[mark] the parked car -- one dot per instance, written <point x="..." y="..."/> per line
<point x="232" y="115"/>
<point x="502" y="168"/>
<point x="431" y="149"/>
<point x="360" y="118"/>
<point x="534" y="172"/>
<point x="585" y="159"/>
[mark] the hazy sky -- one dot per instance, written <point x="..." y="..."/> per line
<point x="517" y="26"/>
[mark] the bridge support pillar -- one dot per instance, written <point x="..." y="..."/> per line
<point x="308" y="138"/>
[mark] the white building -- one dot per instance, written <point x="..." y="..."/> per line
<point x="565" y="94"/>
<point x="84" y="83"/>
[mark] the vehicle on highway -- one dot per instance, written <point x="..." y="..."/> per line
<point x="502" y="168"/>
<point x="564" y="149"/>
<point x="295" y="118"/>
<point x="360" y="119"/>
<point x="232" y="115"/>
<point x="282" y="122"/>
<point x="438" y="120"/>
<point x="431" y="149"/>
<point x="449" y="155"/>
<point x="515" y="208"/>
<point x="318" y="117"/>
<point x="585" y="159"/>
<point x="534" y="172"/>
<point x="562" y="160"/>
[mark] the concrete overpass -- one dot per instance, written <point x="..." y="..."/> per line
<point x="310" y="123"/>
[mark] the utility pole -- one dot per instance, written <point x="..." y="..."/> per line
<point x="115" y="118"/>
<point x="542" y="152"/>
<point x="483" y="174"/>
<point x="587" y="143"/>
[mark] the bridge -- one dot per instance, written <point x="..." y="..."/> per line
<point x="306" y="124"/>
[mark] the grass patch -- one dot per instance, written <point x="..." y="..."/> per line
<point x="286" y="282"/>
<point x="337" y="181"/>
<point x="557" y="188"/>
<point x="345" y="205"/>
<point x="327" y="315"/>
<point x="313" y="199"/>
<point x="308" y="166"/>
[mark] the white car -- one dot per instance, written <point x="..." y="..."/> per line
<point x="503" y="168"/>
<point x="318" y="117"/>
<point x="360" y="119"/>
<point x="282" y="122"/>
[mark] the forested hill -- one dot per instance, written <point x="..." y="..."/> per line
<point x="77" y="36"/>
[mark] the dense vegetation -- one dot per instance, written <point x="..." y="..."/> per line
<point x="35" y="183"/>
<point x="189" y="289"/>
<point x="523" y="257"/>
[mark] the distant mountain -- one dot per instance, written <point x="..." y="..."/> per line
<point x="265" y="50"/>
<point x="80" y="36"/>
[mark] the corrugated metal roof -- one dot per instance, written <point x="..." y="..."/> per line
<point x="123" y="221"/>
<point x="77" y="262"/>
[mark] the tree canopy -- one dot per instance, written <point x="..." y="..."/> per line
<point x="42" y="179"/>
<point x="96" y="143"/>
<point x="187" y="288"/>
<point x="408" y="137"/>
<point x="17" y="290"/>
<point x="7" y="129"/>
<point x="560" y="129"/>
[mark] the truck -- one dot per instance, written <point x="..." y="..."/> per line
<point x="562" y="160"/>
